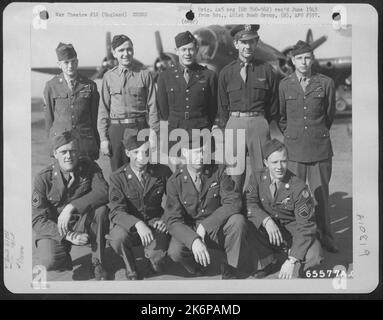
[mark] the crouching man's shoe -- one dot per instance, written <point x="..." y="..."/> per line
<point x="228" y="272"/>
<point x="99" y="271"/>
<point x="269" y="269"/>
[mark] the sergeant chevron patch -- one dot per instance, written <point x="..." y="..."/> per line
<point x="115" y="195"/>
<point x="36" y="199"/>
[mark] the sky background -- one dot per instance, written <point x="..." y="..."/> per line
<point x="89" y="42"/>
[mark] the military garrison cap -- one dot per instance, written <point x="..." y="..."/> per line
<point x="245" y="31"/>
<point x="300" y="48"/>
<point x="63" y="138"/>
<point x="119" y="40"/>
<point x="272" y="146"/>
<point x="130" y="140"/>
<point x="65" y="51"/>
<point x="184" y="38"/>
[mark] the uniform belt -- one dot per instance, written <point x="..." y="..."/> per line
<point x="239" y="114"/>
<point x="127" y="120"/>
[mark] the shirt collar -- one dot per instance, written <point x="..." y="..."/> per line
<point x="121" y="70"/>
<point x="68" y="80"/>
<point x="192" y="67"/>
<point x="193" y="174"/>
<point x="138" y="173"/>
<point x="300" y="76"/>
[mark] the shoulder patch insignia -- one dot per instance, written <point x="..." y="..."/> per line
<point x="36" y="199"/>
<point x="306" y="205"/>
<point x="116" y="195"/>
<point x="303" y="210"/>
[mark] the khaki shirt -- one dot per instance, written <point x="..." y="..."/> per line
<point x="121" y="99"/>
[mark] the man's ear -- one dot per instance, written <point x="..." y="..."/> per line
<point x="127" y="152"/>
<point x="265" y="162"/>
<point x="55" y="154"/>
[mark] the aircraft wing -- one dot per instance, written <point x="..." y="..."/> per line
<point x="85" y="71"/>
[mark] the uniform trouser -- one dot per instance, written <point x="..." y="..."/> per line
<point x="116" y="134"/>
<point x="313" y="256"/>
<point x="123" y="241"/>
<point x="317" y="175"/>
<point x="54" y="255"/>
<point x="257" y="132"/>
<point x="231" y="236"/>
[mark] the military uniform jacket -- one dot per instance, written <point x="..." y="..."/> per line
<point x="191" y="105"/>
<point x="186" y="207"/>
<point x="292" y="207"/>
<point x="130" y="202"/>
<point x="306" y="117"/>
<point x="77" y="109"/>
<point x="50" y="195"/>
<point x="130" y="96"/>
<point x="258" y="94"/>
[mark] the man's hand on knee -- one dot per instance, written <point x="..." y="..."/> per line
<point x="145" y="233"/>
<point x="200" y="252"/>
<point x="160" y="226"/>
<point x="63" y="219"/>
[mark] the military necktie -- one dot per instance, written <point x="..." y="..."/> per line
<point x="123" y="86"/>
<point x="142" y="178"/>
<point x="70" y="179"/>
<point x="197" y="182"/>
<point x="72" y="84"/>
<point x="304" y="83"/>
<point x="273" y="188"/>
<point x="243" y="71"/>
<point x="186" y="75"/>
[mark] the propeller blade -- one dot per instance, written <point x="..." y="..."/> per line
<point x="318" y="42"/>
<point x="108" y="45"/>
<point x="309" y="36"/>
<point x="160" y="48"/>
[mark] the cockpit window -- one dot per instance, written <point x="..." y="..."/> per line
<point x="208" y="43"/>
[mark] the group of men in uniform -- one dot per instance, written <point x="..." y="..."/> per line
<point x="205" y="206"/>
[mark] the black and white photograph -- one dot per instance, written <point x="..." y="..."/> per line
<point x="217" y="149"/>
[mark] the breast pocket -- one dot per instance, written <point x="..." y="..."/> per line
<point x="156" y="195"/>
<point x="61" y="102"/>
<point x="189" y="202"/>
<point x="138" y="97"/>
<point x="317" y="99"/>
<point x="259" y="90"/>
<point x="234" y="92"/>
<point x="172" y="92"/>
<point x="213" y="198"/>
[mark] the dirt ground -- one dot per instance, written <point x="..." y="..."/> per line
<point x="340" y="204"/>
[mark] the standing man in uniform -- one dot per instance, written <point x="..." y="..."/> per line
<point x="187" y="92"/>
<point x="128" y="98"/>
<point x="69" y="207"/>
<point x="282" y="210"/>
<point x="247" y="97"/>
<point x="307" y="106"/>
<point x="71" y="102"/>
<point x="203" y="210"/>
<point x="136" y="192"/>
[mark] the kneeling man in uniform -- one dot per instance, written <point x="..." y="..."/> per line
<point x="203" y="210"/>
<point x="136" y="192"/>
<point x="282" y="209"/>
<point x="69" y="207"/>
